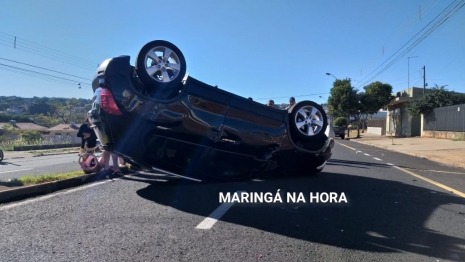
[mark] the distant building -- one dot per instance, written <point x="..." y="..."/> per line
<point x="16" y="110"/>
<point x="21" y="127"/>
<point x="398" y="121"/>
<point x="63" y="130"/>
<point x="381" y="114"/>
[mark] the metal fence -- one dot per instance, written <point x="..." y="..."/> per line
<point x="449" y="118"/>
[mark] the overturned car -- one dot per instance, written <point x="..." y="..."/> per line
<point x="157" y="117"/>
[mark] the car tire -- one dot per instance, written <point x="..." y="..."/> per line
<point x="1" y="155"/>
<point x="160" y="64"/>
<point x="342" y="137"/>
<point x="307" y="121"/>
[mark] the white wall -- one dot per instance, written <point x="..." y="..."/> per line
<point x="374" y="130"/>
<point x="62" y="139"/>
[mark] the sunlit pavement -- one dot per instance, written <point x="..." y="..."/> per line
<point x="398" y="208"/>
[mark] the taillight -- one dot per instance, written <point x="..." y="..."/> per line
<point x="107" y="102"/>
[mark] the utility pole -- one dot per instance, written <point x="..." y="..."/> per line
<point x="424" y="79"/>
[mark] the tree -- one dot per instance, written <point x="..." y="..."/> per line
<point x="39" y="108"/>
<point x="18" y="118"/>
<point x="68" y="112"/>
<point x="9" y="129"/>
<point x="437" y="97"/>
<point x="347" y="101"/>
<point x="46" y="120"/>
<point x="30" y="136"/>
<point x="376" y="96"/>
<point x="340" y="121"/>
<point x="343" y="99"/>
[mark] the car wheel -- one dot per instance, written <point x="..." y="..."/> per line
<point x="342" y="137"/>
<point x="307" y="121"/>
<point x="160" y="64"/>
<point x="1" y="155"/>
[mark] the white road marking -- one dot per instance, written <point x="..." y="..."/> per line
<point x="375" y="158"/>
<point x="451" y="190"/>
<point x="33" y="200"/>
<point x="15" y="170"/>
<point x="209" y="221"/>
<point x="366" y="154"/>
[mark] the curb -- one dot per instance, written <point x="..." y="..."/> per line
<point x="450" y="164"/>
<point x="38" y="155"/>
<point x="23" y="192"/>
<point x="54" y="154"/>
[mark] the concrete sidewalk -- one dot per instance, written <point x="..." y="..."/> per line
<point x="443" y="151"/>
<point x="34" y="153"/>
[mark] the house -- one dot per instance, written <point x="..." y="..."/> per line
<point x="64" y="130"/>
<point x="16" y="111"/>
<point x="381" y="114"/>
<point x="21" y="127"/>
<point x="398" y="121"/>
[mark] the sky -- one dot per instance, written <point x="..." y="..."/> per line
<point x="264" y="49"/>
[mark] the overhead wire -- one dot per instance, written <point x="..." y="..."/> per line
<point x="19" y="40"/>
<point x="403" y="31"/>
<point x="437" y="25"/>
<point x="292" y="96"/>
<point x="421" y="38"/>
<point x="44" y="51"/>
<point x="21" y="44"/>
<point x="36" y="76"/>
<point x="42" y="74"/>
<point x="43" y="68"/>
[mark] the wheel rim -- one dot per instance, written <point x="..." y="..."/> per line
<point x="162" y="64"/>
<point x="309" y="120"/>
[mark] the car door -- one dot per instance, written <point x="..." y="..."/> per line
<point x="188" y="128"/>
<point x="251" y="128"/>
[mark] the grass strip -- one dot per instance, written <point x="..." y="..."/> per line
<point x="34" y="180"/>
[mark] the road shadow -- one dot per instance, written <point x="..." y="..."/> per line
<point x="6" y="163"/>
<point x="357" y="164"/>
<point x="380" y="216"/>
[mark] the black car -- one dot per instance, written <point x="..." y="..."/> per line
<point x="157" y="117"/>
<point x="339" y="131"/>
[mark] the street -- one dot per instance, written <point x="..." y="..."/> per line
<point x="398" y="208"/>
<point x="53" y="164"/>
<point x="35" y="166"/>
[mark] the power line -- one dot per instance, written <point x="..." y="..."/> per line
<point x="403" y="46"/>
<point x="48" y="49"/>
<point x="42" y="74"/>
<point x="45" y="52"/>
<point x="32" y="51"/>
<point x="290" y="96"/>
<point x="421" y="38"/>
<point x="434" y="27"/>
<point x="44" y="68"/>
<point x="402" y="31"/>
<point x="36" y="76"/>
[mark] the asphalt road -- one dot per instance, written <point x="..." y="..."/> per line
<point x="391" y="214"/>
<point x="53" y="164"/>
